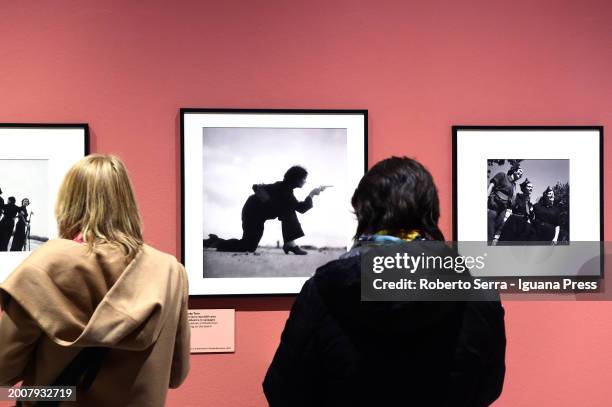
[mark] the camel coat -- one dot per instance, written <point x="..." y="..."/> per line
<point x="65" y="297"/>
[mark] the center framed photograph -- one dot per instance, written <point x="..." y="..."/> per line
<point x="266" y="195"/>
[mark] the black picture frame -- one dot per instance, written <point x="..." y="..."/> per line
<point x="268" y="116"/>
<point x="486" y="134"/>
<point x="41" y="153"/>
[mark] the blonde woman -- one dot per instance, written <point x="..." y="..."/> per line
<point x="97" y="303"/>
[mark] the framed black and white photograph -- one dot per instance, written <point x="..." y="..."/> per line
<point x="528" y="201"/>
<point x="33" y="161"/>
<point x="534" y="187"/>
<point x="266" y="195"/>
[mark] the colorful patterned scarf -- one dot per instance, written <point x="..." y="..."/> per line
<point x="386" y="236"/>
<point x="382" y="237"/>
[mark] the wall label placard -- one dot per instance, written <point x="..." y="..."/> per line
<point x="212" y="330"/>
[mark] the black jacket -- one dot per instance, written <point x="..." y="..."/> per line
<point x="281" y="200"/>
<point x="338" y="351"/>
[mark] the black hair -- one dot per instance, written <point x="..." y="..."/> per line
<point x="295" y="174"/>
<point x="397" y="194"/>
<point x="513" y="169"/>
<point x="544" y="198"/>
<point x="524" y="184"/>
<point x="12" y="199"/>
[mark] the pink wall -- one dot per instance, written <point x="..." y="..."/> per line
<point x="126" y="67"/>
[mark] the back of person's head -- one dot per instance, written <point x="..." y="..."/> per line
<point x="397" y="194"/>
<point x="96" y="200"/>
<point x="295" y="174"/>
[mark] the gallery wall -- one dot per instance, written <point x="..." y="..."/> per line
<point x="418" y="67"/>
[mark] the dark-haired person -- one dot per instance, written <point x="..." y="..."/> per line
<point x="519" y="226"/>
<point x="547" y="217"/>
<point x="19" y="237"/>
<point x="336" y="350"/>
<point x="270" y="201"/>
<point x="500" y="195"/>
<point x="7" y="223"/>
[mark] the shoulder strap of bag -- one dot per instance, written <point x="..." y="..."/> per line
<point x="80" y="372"/>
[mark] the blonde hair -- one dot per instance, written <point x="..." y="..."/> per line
<point x="96" y="200"/>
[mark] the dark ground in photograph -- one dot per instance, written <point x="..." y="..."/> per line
<point x="531" y="222"/>
<point x="266" y="262"/>
<point x="34" y="243"/>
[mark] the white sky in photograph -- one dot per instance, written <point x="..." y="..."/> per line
<point x="236" y="158"/>
<point x="28" y="179"/>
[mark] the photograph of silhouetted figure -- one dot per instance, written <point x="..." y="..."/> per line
<point x="7" y="223"/>
<point x="275" y="201"/>
<point x="271" y="201"/>
<point x="23" y="186"/>
<point x="21" y="228"/>
<point x="8" y="228"/>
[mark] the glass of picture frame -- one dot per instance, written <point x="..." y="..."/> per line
<point x="33" y="161"/>
<point x="532" y="195"/>
<point x="266" y="195"/>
